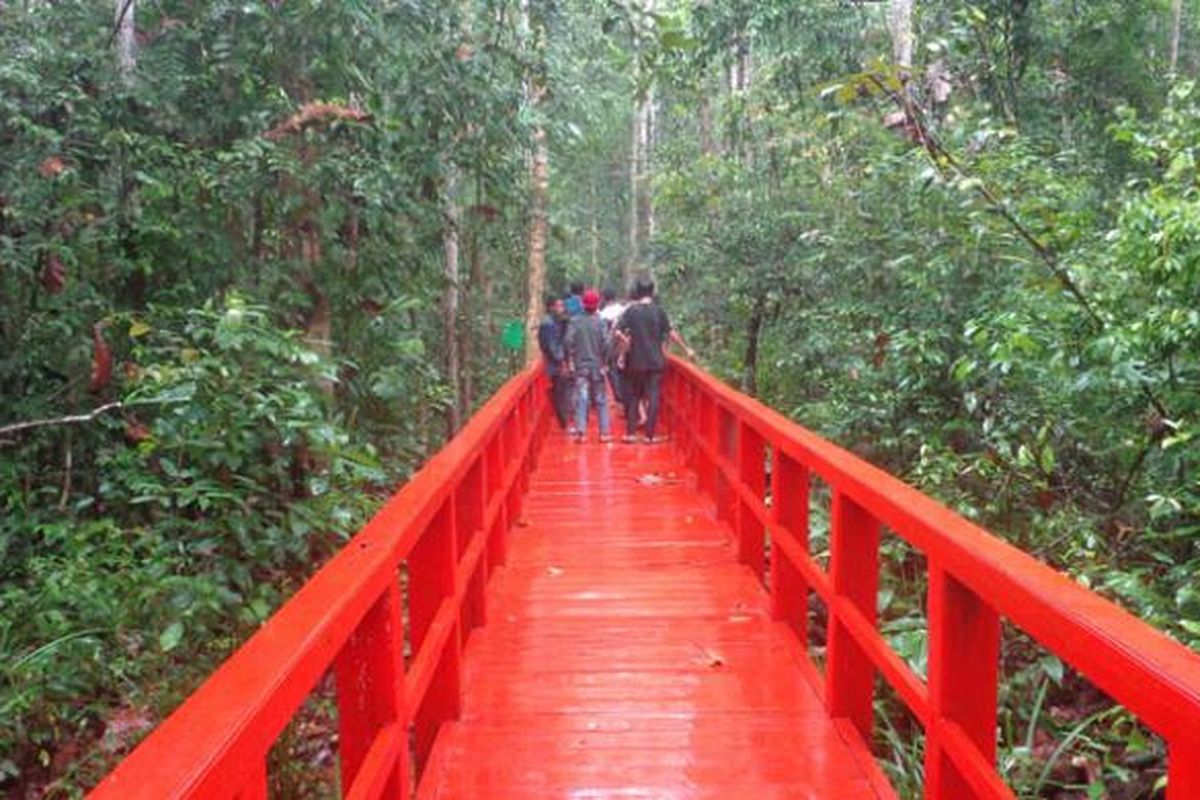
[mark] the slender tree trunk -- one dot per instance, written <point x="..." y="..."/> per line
<point x="539" y="180"/>
<point x="595" y="235"/>
<point x="635" y="145"/>
<point x="753" y="332"/>
<point x="450" y="298"/>
<point x="126" y="41"/>
<point x="1176" y="30"/>
<point x="707" y="146"/>
<point x="900" y="23"/>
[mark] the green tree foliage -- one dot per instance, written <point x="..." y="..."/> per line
<point x="218" y="289"/>
<point x="220" y="283"/>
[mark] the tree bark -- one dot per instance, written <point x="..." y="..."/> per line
<point x="126" y="41"/>
<point x="900" y="23"/>
<point x="450" y="298"/>
<point x="753" y="332"/>
<point x="1176" y="30"/>
<point x="539" y="179"/>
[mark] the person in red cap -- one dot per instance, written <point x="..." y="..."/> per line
<point x="588" y="346"/>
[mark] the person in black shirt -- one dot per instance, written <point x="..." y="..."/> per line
<point x="644" y="330"/>
<point x="551" y="334"/>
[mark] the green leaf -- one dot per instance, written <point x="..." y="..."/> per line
<point x="170" y="638"/>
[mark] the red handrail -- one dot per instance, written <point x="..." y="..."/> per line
<point x="447" y="527"/>
<point x="975" y="579"/>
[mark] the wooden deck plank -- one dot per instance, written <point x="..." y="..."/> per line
<point x="628" y="655"/>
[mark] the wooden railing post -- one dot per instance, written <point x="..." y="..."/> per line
<point x="708" y="446"/>
<point x="1183" y="769"/>
<point x="964" y="658"/>
<point x="369" y="672"/>
<point x="726" y="447"/>
<point x="751" y="470"/>
<point x="854" y="564"/>
<point x="498" y="455"/>
<point x="789" y="510"/>
<point x="470" y="500"/>
<point x="431" y="569"/>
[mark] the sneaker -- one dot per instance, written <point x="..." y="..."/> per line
<point x="629" y="438"/>
<point x="605" y="438"/>
<point x="655" y="439"/>
<point x="577" y="437"/>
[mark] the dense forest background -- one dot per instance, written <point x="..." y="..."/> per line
<point x="258" y="259"/>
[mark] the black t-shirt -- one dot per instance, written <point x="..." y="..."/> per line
<point x="647" y="326"/>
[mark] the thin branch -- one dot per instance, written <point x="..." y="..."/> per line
<point x="72" y="419"/>
<point x="943" y="158"/>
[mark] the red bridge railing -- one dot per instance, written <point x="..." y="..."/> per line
<point x="975" y="580"/>
<point x="436" y="541"/>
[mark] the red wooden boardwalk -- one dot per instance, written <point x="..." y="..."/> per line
<point x="528" y="618"/>
<point x="628" y="654"/>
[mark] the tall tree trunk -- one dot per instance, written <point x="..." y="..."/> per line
<point x="741" y="77"/>
<point x="450" y="220"/>
<point x="595" y="235"/>
<point x="126" y="41"/>
<point x="635" y="146"/>
<point x="900" y="23"/>
<point x="641" y="210"/>
<point x="539" y="180"/>
<point x="753" y="332"/>
<point x="540" y="184"/>
<point x="707" y="146"/>
<point x="1176" y="30"/>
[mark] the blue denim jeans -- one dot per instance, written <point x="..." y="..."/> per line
<point x="589" y="387"/>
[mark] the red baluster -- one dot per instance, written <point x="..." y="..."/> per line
<point x="789" y="509"/>
<point x="964" y="657"/>
<point x="751" y="466"/>
<point x="431" y="569"/>
<point x="849" y="673"/>
<point x="1183" y="769"/>
<point x="370" y="686"/>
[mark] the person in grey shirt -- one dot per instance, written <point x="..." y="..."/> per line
<point x="588" y="346"/>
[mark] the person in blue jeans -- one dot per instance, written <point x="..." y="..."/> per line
<point x="588" y="344"/>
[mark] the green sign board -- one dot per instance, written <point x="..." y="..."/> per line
<point x="513" y="336"/>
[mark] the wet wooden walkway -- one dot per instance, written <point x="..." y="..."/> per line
<point x="628" y="655"/>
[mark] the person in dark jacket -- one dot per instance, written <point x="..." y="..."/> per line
<point x="551" y="334"/>
<point x="644" y="331"/>
<point x="588" y="346"/>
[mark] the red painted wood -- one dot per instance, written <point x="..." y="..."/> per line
<point x="854" y="569"/>
<point x="629" y="654"/>
<point x="431" y="570"/>
<point x="1183" y="778"/>
<point x="256" y="788"/>
<point x="1149" y="674"/>
<point x="215" y="744"/>
<point x="789" y="510"/>
<point x="369" y="672"/>
<point x="964" y="656"/>
<point x="751" y="461"/>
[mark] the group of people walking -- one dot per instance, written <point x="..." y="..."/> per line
<point x="592" y="343"/>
